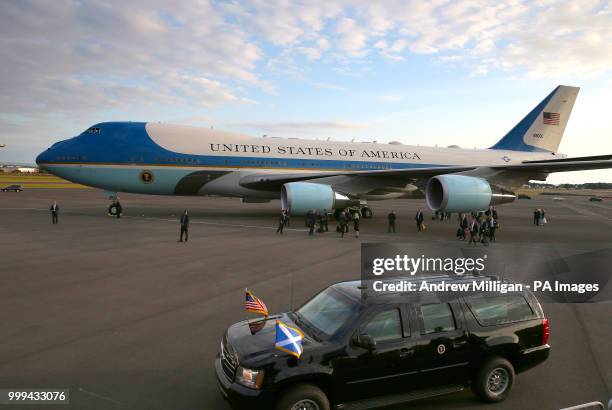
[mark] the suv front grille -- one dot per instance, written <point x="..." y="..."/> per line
<point x="228" y="362"/>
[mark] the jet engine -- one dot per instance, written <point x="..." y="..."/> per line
<point x="461" y="193"/>
<point x="300" y="197"/>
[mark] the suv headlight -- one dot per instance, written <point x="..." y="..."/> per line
<point x="250" y="378"/>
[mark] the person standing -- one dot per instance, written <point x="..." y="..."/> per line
<point x="324" y="221"/>
<point x="281" y="222"/>
<point x="119" y="208"/>
<point x="391" y="218"/>
<point x="356" y="219"/>
<point x="310" y="221"/>
<point x="342" y="224"/>
<point x="184" y="226"/>
<point x="463" y="225"/>
<point x="484" y="229"/>
<point x="419" y="220"/>
<point x="492" y="228"/>
<point x="473" y="231"/>
<point x="536" y="217"/>
<point x="543" y="217"/>
<point x="54" y="212"/>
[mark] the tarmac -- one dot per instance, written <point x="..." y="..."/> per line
<point x="125" y="317"/>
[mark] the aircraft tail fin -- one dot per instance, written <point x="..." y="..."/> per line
<point x="542" y="129"/>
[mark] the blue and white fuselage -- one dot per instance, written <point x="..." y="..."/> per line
<point x="165" y="159"/>
<point x="199" y="161"/>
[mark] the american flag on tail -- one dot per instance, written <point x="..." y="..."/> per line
<point x="253" y="304"/>
<point x="551" y="118"/>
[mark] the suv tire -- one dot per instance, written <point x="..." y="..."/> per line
<point x="494" y="380"/>
<point x="303" y="396"/>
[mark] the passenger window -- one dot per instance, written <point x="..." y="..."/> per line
<point x="385" y="326"/>
<point x="494" y="310"/>
<point x="436" y="318"/>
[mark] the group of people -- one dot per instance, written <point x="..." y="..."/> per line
<point x="539" y="217"/>
<point x="344" y="219"/>
<point x="319" y="221"/>
<point x="481" y="227"/>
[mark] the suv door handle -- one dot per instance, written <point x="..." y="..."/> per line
<point x="459" y="343"/>
<point x="405" y="352"/>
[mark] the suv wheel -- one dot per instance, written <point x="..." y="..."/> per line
<point x="494" y="380"/>
<point x="112" y="210"/>
<point x="303" y="397"/>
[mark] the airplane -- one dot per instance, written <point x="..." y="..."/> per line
<point x="164" y="159"/>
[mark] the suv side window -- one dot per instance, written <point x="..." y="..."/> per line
<point x="436" y="318"/>
<point x="385" y="326"/>
<point x="495" y="310"/>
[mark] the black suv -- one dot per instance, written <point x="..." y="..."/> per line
<point x="369" y="352"/>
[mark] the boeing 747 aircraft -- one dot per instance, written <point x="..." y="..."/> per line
<point x="163" y="159"/>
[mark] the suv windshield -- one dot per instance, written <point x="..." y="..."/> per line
<point x="328" y="311"/>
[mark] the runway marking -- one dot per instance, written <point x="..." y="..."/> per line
<point x="99" y="396"/>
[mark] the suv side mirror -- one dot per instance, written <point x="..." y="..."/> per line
<point x="365" y="340"/>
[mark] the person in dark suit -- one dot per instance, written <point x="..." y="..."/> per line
<point x="419" y="220"/>
<point x="184" y="226"/>
<point x="324" y="221"/>
<point x="119" y="208"/>
<point x="311" y="221"/>
<point x="536" y="217"/>
<point x="54" y="212"/>
<point x="356" y="220"/>
<point x="281" y="222"/>
<point x="492" y="228"/>
<point x="473" y="231"/>
<point x="342" y="224"/>
<point x="391" y="218"/>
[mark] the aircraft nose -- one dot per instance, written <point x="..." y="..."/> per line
<point x="43" y="157"/>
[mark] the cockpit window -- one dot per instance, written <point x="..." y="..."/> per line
<point x="93" y="130"/>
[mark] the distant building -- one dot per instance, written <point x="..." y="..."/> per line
<point x="27" y="170"/>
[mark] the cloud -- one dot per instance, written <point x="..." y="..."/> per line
<point x="69" y="60"/>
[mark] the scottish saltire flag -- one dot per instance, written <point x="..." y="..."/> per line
<point x="288" y="339"/>
<point x="253" y="304"/>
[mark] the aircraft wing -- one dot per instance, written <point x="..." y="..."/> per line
<point x="272" y="182"/>
<point x="516" y="173"/>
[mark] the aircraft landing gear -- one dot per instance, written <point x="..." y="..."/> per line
<point x="114" y="209"/>
<point x="366" y="212"/>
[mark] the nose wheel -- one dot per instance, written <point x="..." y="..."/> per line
<point x="114" y="209"/>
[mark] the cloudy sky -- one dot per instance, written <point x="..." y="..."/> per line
<point x="435" y="72"/>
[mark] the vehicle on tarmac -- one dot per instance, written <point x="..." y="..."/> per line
<point x="369" y="352"/>
<point x="595" y="199"/>
<point x="14" y="188"/>
<point x="524" y="196"/>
